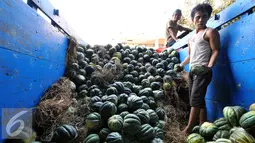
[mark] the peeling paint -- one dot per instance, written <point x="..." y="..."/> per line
<point x="237" y="43"/>
<point x="13" y="33"/>
<point x="30" y="86"/>
<point x="14" y="55"/>
<point x="12" y="73"/>
<point x="8" y="2"/>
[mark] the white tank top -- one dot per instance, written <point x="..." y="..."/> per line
<point x="200" y="50"/>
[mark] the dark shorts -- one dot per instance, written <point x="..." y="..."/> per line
<point x="197" y="88"/>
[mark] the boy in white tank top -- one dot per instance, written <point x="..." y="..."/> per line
<point x="203" y="48"/>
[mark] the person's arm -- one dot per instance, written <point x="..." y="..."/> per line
<point x="170" y="30"/>
<point x="185" y="29"/>
<point x="187" y="59"/>
<point x="214" y="40"/>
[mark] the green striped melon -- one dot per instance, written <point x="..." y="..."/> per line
<point x="195" y="138"/>
<point x="143" y="115"/>
<point x="222" y="124"/>
<point x="92" y="138"/>
<point x="196" y="129"/>
<point x="153" y="117"/>
<point x="161" y="124"/>
<point x="122" y="107"/>
<point x="146" y="133"/>
<point x="241" y="136"/>
<point x="134" y="102"/>
<point x="247" y="121"/>
<point x="208" y="130"/>
<point x="252" y="107"/>
<point x="161" y="113"/>
<point x="104" y="133"/>
<point x="159" y="132"/>
<point x="123" y="114"/>
<point x="114" y="137"/>
<point x="233" y="114"/>
<point x="107" y="109"/>
<point x="221" y="134"/>
<point x="93" y="121"/>
<point x="223" y="140"/>
<point x="115" y="123"/>
<point x="132" y="124"/>
<point x="157" y="140"/>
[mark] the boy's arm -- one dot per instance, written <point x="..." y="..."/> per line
<point x="214" y="40"/>
<point x="187" y="59"/>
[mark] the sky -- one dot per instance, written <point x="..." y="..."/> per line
<point x="106" y="21"/>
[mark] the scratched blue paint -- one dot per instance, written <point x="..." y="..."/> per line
<point x="235" y="9"/>
<point x="244" y="90"/>
<point x="24" y="31"/>
<point x="239" y="42"/>
<point x="214" y="109"/>
<point x="233" y="75"/>
<point x="32" y="55"/>
<point x="48" y="9"/>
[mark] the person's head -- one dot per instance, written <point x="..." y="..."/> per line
<point x="200" y="14"/>
<point x="177" y="15"/>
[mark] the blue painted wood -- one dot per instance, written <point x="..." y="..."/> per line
<point x="234" y="10"/>
<point x="31" y="38"/>
<point x="214" y="109"/>
<point x="32" y="55"/>
<point x="49" y="10"/>
<point x="239" y="43"/>
<point x="243" y="89"/>
<point x="237" y="8"/>
<point x="231" y="86"/>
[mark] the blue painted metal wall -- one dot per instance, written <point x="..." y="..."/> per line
<point x="233" y="75"/>
<point x="32" y="55"/>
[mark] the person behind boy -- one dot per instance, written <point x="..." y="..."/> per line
<point x="173" y="28"/>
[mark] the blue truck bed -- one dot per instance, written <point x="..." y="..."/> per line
<point x="32" y="54"/>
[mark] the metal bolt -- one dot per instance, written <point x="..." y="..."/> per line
<point x="56" y="12"/>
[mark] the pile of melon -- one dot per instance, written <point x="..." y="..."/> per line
<point x="237" y="126"/>
<point x="123" y="100"/>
